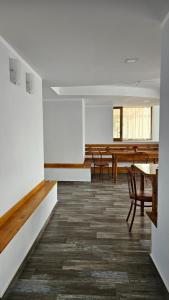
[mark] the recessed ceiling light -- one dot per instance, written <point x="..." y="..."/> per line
<point x="131" y="60"/>
<point x="56" y="89"/>
<point x="137" y="83"/>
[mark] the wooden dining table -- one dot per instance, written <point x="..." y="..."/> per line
<point x="116" y="156"/>
<point x="150" y="170"/>
<point x="128" y="156"/>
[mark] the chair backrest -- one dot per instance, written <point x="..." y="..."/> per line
<point x="132" y="183"/>
<point x="97" y="157"/>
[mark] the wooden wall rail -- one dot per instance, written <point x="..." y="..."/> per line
<point x="13" y="220"/>
<point x="20" y="203"/>
<point x="85" y="165"/>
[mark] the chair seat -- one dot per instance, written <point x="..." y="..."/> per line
<point x="143" y="196"/>
<point x="100" y="164"/>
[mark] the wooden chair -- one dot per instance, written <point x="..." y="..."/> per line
<point x="137" y="197"/>
<point x="99" y="162"/>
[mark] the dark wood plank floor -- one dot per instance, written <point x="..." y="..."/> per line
<point x="86" y="252"/>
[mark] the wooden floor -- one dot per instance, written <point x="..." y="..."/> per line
<point x="86" y="252"/>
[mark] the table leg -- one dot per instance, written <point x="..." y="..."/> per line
<point x="112" y="167"/>
<point x="142" y="190"/>
<point x="115" y="169"/>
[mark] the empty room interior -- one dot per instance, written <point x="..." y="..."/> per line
<point x="84" y="149"/>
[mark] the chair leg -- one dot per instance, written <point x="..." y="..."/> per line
<point x="99" y="173"/>
<point x="94" y="172"/>
<point x="142" y="209"/>
<point x="134" y="213"/>
<point x="128" y="216"/>
<point x="108" y="172"/>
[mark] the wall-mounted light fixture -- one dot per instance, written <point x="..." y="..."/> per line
<point x="29" y="83"/>
<point x="14" y="70"/>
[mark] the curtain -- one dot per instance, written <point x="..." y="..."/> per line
<point x="136" y="123"/>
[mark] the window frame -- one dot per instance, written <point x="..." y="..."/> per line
<point x="120" y="108"/>
<point x="121" y="126"/>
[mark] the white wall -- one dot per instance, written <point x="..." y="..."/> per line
<point x="63" y="131"/>
<point x="83" y="128"/>
<point x="98" y="124"/>
<point x="22" y="159"/>
<point x="68" y="174"/>
<point x="21" y="133"/>
<point x="155" y="123"/>
<point x="160" y="235"/>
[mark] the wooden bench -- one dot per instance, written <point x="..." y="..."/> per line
<point x="120" y="146"/>
<point x="12" y="221"/>
<point x="123" y="153"/>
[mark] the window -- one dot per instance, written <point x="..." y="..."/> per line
<point x="132" y="123"/>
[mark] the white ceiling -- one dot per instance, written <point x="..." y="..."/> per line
<point x="77" y="43"/>
<point x="108" y="90"/>
<point x="121" y="101"/>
